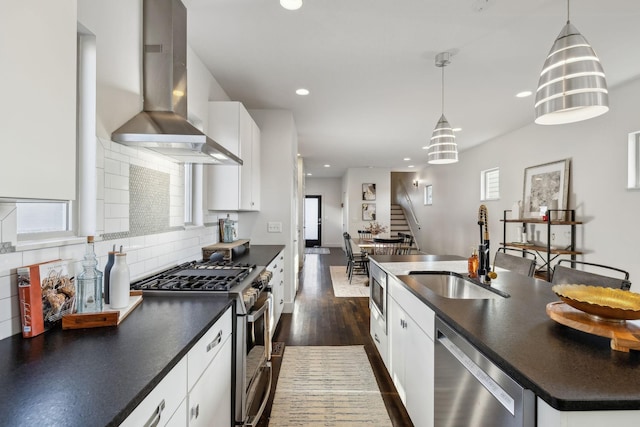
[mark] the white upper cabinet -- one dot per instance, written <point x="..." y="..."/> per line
<point x="38" y="111"/>
<point x="234" y="188"/>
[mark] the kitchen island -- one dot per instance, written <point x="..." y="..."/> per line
<point x="569" y="371"/>
<point x="97" y="377"/>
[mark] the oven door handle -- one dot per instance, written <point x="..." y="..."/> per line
<point x="255" y="315"/>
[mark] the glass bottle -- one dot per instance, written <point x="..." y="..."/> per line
<point x="228" y="230"/>
<point x="107" y="269"/>
<point x="473" y="264"/>
<point x="89" y="282"/>
<point x="120" y="282"/>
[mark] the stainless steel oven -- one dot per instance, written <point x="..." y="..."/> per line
<point x="378" y="291"/>
<point x="251" y="290"/>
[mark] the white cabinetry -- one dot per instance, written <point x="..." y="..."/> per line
<point x="277" y="288"/>
<point x="233" y="188"/>
<point x="411" y="352"/>
<point x="197" y="391"/>
<point x="161" y="406"/>
<point x="38" y="110"/>
<point x="209" y="376"/>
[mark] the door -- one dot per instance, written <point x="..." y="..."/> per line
<point x="312" y="221"/>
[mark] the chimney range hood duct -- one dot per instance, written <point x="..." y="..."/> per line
<point x="162" y="126"/>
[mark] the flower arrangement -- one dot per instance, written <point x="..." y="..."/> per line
<point x="376" y="228"/>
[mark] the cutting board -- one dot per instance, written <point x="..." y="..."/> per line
<point x="624" y="335"/>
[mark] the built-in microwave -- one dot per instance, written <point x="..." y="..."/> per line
<point x="378" y="291"/>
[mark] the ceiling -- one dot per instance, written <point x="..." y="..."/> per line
<point x="375" y="92"/>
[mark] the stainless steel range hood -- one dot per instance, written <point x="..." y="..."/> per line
<point x="162" y="126"/>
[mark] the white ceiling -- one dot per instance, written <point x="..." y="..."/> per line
<point x="369" y="64"/>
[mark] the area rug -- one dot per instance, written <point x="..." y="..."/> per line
<point x="327" y="386"/>
<point x="318" y="251"/>
<point x="341" y="286"/>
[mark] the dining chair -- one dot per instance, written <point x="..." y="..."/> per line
<point x="407" y="243"/>
<point x="387" y="246"/>
<point x="524" y="264"/>
<point x="357" y="263"/>
<point x="364" y="234"/>
<point x="571" y="275"/>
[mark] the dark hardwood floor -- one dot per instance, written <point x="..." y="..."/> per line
<point x="319" y="318"/>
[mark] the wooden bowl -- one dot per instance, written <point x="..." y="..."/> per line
<point x="607" y="303"/>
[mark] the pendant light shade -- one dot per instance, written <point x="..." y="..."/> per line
<point x="572" y="85"/>
<point x="443" y="148"/>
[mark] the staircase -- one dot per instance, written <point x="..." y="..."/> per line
<point x="399" y="222"/>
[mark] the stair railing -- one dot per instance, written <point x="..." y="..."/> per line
<point x="408" y="206"/>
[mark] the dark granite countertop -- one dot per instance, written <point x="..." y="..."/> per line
<point x="96" y="377"/>
<point x="568" y="369"/>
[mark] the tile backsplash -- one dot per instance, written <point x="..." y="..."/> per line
<point x="125" y="177"/>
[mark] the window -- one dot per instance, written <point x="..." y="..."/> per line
<point x="43" y="217"/>
<point x="633" y="181"/>
<point x="490" y="184"/>
<point x="188" y="193"/>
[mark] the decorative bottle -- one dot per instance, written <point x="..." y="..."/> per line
<point x="228" y="230"/>
<point x="89" y="282"/>
<point x="119" y="282"/>
<point x="107" y="269"/>
<point x="473" y="264"/>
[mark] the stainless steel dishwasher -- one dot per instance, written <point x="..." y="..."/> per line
<point x="471" y="391"/>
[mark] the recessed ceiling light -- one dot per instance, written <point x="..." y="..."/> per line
<point x="425" y="147"/>
<point x="302" y="92"/>
<point x="524" y="94"/>
<point x="309" y="174"/>
<point x="406" y="159"/>
<point x="410" y="166"/>
<point x="327" y="166"/>
<point x="457" y="129"/>
<point x="291" y="4"/>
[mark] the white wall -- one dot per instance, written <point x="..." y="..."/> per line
<point x="278" y="150"/>
<point x="598" y="152"/>
<point x="331" y="191"/>
<point x="352" y="192"/>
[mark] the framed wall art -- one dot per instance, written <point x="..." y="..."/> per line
<point x="368" y="211"/>
<point x="546" y="186"/>
<point x="368" y="191"/>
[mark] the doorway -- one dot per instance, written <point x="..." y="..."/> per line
<point x="312" y="221"/>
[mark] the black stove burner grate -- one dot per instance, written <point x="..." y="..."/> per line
<point x="196" y="276"/>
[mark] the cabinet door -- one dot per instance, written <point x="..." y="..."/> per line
<point x="419" y="375"/>
<point x="162" y="402"/>
<point x="277" y="286"/>
<point x="397" y="347"/>
<point x="38" y="131"/>
<point x="210" y="398"/>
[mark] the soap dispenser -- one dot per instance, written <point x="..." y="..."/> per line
<point x="473" y="264"/>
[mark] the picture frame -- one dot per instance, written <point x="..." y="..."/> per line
<point x="368" y="191"/>
<point x="428" y="195"/>
<point x="546" y="186"/>
<point x="368" y="211"/>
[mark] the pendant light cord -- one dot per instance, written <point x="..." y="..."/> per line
<point x="567" y="11"/>
<point x="442" y="89"/>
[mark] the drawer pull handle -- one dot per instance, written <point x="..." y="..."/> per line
<point x="281" y="301"/>
<point x="376" y="338"/>
<point x="155" y="417"/>
<point x="195" y="411"/>
<point x="215" y="341"/>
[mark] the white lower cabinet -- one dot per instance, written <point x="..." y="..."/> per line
<point x="378" y="331"/>
<point x="164" y="401"/>
<point x="277" y="288"/>
<point x="209" y="401"/>
<point x="411" y="352"/>
<point x="197" y="391"/>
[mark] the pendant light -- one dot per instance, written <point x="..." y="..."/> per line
<point x="443" y="148"/>
<point x="572" y="85"/>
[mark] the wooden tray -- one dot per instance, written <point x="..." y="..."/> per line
<point x="625" y="335"/>
<point x="225" y="248"/>
<point x="107" y="317"/>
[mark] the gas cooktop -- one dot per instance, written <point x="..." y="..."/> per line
<point x="197" y="276"/>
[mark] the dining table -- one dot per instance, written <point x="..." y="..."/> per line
<point x="369" y="244"/>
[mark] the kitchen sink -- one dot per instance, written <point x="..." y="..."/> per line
<point x="455" y="286"/>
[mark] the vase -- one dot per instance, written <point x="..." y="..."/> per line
<point x="119" y="282"/>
